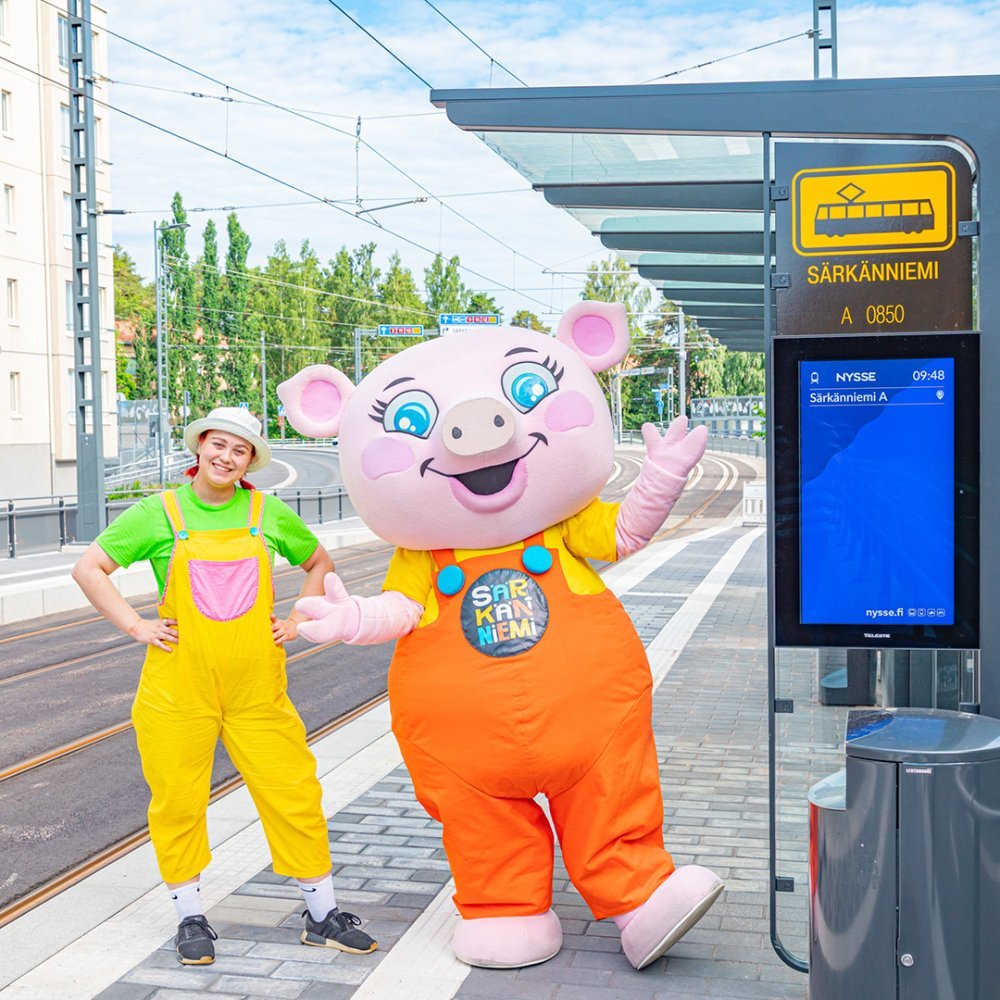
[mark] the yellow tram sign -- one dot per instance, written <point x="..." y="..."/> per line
<point x="891" y="208"/>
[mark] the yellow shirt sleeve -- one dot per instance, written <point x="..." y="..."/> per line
<point x="590" y="534"/>
<point x="411" y="572"/>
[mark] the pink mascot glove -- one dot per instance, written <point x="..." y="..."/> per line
<point x="335" y="616"/>
<point x="669" y="460"/>
<point x="338" y="617"/>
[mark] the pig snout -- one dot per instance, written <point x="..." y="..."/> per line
<point x="477" y="426"/>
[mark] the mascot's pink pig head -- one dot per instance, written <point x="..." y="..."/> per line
<point x="474" y="439"/>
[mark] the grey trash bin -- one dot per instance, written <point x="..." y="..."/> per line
<point x="904" y="860"/>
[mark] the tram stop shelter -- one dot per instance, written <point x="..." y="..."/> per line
<point x="679" y="180"/>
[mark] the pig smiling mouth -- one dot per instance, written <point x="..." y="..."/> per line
<point x="492" y="478"/>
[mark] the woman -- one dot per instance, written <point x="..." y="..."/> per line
<point x="215" y="667"/>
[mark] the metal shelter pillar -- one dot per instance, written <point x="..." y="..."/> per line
<point x="824" y="40"/>
<point x="86" y="282"/>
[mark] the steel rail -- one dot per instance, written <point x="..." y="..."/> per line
<point x="84" y="742"/>
<point x="280" y="575"/>
<point x="122" y="847"/>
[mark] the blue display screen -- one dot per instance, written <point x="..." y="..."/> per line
<point x="877" y="474"/>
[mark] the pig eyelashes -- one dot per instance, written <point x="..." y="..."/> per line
<point x="527" y="383"/>
<point x="413" y="413"/>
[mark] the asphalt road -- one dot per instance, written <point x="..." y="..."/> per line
<point x="68" y="676"/>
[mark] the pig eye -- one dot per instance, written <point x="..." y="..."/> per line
<point x="412" y="412"/>
<point x="526" y="384"/>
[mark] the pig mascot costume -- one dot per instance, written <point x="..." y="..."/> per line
<point x="480" y="455"/>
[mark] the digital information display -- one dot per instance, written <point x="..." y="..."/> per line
<point x="883" y="431"/>
<point x="876" y="520"/>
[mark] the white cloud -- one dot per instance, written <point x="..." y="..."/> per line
<point x="308" y="55"/>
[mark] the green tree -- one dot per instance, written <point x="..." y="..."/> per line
<point x="480" y="302"/>
<point x="443" y="286"/>
<point x="180" y="314"/>
<point x="211" y="313"/>
<point x="238" y="359"/>
<point x="527" y="320"/>
<point x="612" y="280"/>
<point x="135" y="314"/>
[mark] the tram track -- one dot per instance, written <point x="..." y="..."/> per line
<point x="149" y="605"/>
<point x="701" y="481"/>
<point x="126" y="844"/>
<point x="94" y="738"/>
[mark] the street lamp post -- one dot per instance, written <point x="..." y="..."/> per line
<point x="162" y="417"/>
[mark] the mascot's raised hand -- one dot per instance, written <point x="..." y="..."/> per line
<point x="481" y="455"/>
<point x="677" y="451"/>
<point x="669" y="460"/>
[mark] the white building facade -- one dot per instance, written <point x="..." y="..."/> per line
<point x="37" y="403"/>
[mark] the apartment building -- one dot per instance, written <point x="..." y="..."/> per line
<point x="37" y="415"/>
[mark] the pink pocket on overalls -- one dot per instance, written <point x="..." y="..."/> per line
<point x="224" y="590"/>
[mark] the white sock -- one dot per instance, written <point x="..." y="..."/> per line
<point x="187" y="899"/>
<point x="319" y="897"/>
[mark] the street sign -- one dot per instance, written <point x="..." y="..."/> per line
<point x="468" y="319"/>
<point x="868" y="239"/>
<point x="244" y="406"/>
<point x="393" y="330"/>
<point x="281" y="409"/>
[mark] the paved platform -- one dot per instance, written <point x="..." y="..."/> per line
<point x="700" y="607"/>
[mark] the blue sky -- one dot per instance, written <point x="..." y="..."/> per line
<point x="307" y="55"/>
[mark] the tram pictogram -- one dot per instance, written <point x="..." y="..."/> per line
<point x="900" y="215"/>
<point x="894" y="208"/>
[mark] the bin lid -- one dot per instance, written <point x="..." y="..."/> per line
<point x="922" y="735"/>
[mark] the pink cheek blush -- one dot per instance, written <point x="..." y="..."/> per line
<point x="384" y="457"/>
<point x="569" y="410"/>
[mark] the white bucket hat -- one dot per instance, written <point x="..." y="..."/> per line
<point x="232" y="420"/>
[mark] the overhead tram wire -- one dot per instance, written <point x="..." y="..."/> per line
<point x="267" y="279"/>
<point x="263" y="173"/>
<point x="333" y="128"/>
<point x="262" y="104"/>
<point x="310" y="201"/>
<point x="493" y="61"/>
<point x="808" y="33"/>
<point x="385" y="48"/>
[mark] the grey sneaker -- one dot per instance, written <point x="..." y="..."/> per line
<point x="337" y="930"/>
<point x="194" y="941"/>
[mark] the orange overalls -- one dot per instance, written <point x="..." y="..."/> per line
<point x="521" y="687"/>
<point x="224" y="677"/>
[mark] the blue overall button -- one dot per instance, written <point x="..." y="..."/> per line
<point x="182" y="535"/>
<point x="254" y="530"/>
<point x="450" y="580"/>
<point x="537" y="559"/>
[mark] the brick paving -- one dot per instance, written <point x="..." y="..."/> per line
<point x="710" y="717"/>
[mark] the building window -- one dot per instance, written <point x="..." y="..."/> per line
<point x="6" y="112"/>
<point x="15" y="391"/>
<point x="67" y="220"/>
<point x="8" y="206"/>
<point x="63" y="40"/>
<point x="69" y="308"/>
<point x="64" y="128"/>
<point x="12" y="300"/>
<point x="3" y="19"/>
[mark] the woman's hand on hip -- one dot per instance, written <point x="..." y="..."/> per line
<point x="283" y="630"/>
<point x="159" y="632"/>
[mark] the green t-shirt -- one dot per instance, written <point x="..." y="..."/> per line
<point x="143" y="530"/>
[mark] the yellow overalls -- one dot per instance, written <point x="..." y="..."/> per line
<point x="225" y="677"/>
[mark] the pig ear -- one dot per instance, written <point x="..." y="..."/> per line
<point x="314" y="400"/>
<point x="597" y="331"/>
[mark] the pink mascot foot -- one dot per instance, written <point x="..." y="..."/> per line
<point x="508" y="942"/>
<point x="676" y="906"/>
